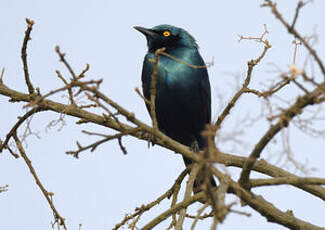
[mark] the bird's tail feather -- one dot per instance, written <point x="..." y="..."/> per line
<point x="200" y="179"/>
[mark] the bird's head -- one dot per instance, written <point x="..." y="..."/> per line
<point x="167" y="36"/>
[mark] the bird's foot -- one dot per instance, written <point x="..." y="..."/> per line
<point x="149" y="137"/>
<point x="195" y="147"/>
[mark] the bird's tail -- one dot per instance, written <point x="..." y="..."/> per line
<point x="200" y="178"/>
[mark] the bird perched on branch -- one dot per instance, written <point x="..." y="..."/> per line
<point x="183" y="98"/>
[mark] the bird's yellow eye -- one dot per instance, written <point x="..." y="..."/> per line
<point x="166" y="33"/>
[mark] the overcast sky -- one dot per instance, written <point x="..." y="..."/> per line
<point x="98" y="189"/>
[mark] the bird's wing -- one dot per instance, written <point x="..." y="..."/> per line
<point x="202" y="79"/>
<point x="206" y="96"/>
<point x="147" y="71"/>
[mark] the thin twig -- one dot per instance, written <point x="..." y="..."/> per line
<point x="1" y="75"/>
<point x="144" y="208"/>
<point x="69" y="88"/>
<point x="30" y="24"/>
<point x="185" y="63"/>
<point x="94" y="145"/>
<point x="300" y="4"/>
<point x="287" y="180"/>
<point x="294" y="32"/>
<point x="197" y="217"/>
<point x="177" y="187"/>
<point x="17" y="125"/>
<point x="189" y="188"/>
<point x="265" y="208"/>
<point x="137" y="90"/>
<point x="175" y="209"/>
<point x="285" y="117"/>
<point x="153" y="88"/>
<point x="47" y="195"/>
<point x="67" y="65"/>
<point x="251" y="64"/>
<point x="4" y="188"/>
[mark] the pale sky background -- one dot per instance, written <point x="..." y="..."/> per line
<point x="98" y="189"/>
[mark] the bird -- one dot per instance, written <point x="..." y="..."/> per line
<point x="183" y="94"/>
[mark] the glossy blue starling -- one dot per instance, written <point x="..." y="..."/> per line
<point x="183" y="98"/>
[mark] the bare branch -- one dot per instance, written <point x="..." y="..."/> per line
<point x="4" y="188"/>
<point x="285" y="117"/>
<point x="14" y="129"/>
<point x="265" y="208"/>
<point x="197" y="217"/>
<point x="295" y="33"/>
<point x="1" y="75"/>
<point x="189" y="188"/>
<point x="287" y="180"/>
<point x="251" y="64"/>
<point x="300" y="4"/>
<point x="263" y="167"/>
<point x="137" y="90"/>
<point x="153" y="89"/>
<point x="185" y="63"/>
<point x="143" y="208"/>
<point x="48" y="195"/>
<point x="67" y="65"/>
<point x="172" y="210"/>
<point x="30" y="24"/>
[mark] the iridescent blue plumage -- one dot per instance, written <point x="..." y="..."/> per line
<point x="183" y="99"/>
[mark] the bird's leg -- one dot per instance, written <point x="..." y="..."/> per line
<point x="201" y="176"/>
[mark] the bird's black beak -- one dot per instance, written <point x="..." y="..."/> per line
<point x="145" y="31"/>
